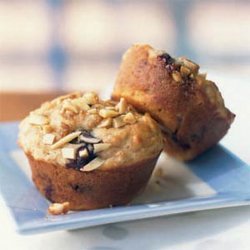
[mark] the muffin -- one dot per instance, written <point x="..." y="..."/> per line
<point x="88" y="152"/>
<point x="189" y="108"/>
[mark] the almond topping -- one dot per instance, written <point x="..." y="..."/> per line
<point x="176" y="76"/>
<point x="105" y="123"/>
<point x="191" y="65"/>
<point x="83" y="153"/>
<point x="101" y="147"/>
<point x="94" y="164"/>
<point x="81" y="104"/>
<point x="129" y="118"/>
<point x="38" y="119"/>
<point x="110" y="107"/>
<point x="98" y="106"/>
<point x="48" y="139"/>
<point x="66" y="139"/>
<point x="67" y="105"/>
<point x="69" y="152"/>
<point x="91" y="98"/>
<point x="105" y="113"/>
<point x="88" y="139"/>
<point x="58" y="208"/>
<point x="92" y="111"/>
<point x="122" y="106"/>
<point x="118" y="122"/>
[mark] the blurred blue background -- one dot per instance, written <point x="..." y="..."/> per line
<point x="77" y="45"/>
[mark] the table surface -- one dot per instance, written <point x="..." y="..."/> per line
<point x="15" y="106"/>
<point x="227" y="228"/>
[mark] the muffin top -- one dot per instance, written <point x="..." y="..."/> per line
<point x="81" y="131"/>
<point x="166" y="87"/>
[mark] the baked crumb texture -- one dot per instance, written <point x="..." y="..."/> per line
<point x="89" y="152"/>
<point x="58" y="208"/>
<point x="189" y="107"/>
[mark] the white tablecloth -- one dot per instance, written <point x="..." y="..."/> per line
<point x="219" y="229"/>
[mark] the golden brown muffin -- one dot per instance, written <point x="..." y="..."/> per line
<point x="88" y="152"/>
<point x="189" y="108"/>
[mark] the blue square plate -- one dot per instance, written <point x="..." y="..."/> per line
<point x="216" y="179"/>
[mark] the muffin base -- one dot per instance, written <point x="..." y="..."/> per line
<point x="91" y="190"/>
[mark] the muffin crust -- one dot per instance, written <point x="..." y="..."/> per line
<point x="88" y="153"/>
<point x="189" y="107"/>
<point x="131" y="141"/>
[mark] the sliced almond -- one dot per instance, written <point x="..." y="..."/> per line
<point x="49" y="139"/>
<point x="101" y="147"/>
<point x="69" y="150"/>
<point x="129" y="118"/>
<point x="118" y="122"/>
<point x="98" y="106"/>
<point x="69" y="153"/>
<point x="66" y="139"/>
<point x="58" y="208"/>
<point x="83" y="153"/>
<point x="38" y="119"/>
<point x="122" y="106"/>
<point x="105" y="113"/>
<point x="91" y="98"/>
<point x="96" y="163"/>
<point x="92" y="111"/>
<point x="68" y="105"/>
<point x="91" y="140"/>
<point x="110" y="108"/>
<point x="177" y="76"/>
<point x="81" y="104"/>
<point x="191" y="65"/>
<point x="105" y="123"/>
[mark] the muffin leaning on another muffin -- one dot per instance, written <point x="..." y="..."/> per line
<point x="189" y="108"/>
<point x="88" y="152"/>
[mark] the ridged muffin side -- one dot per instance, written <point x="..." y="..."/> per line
<point x="91" y="190"/>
